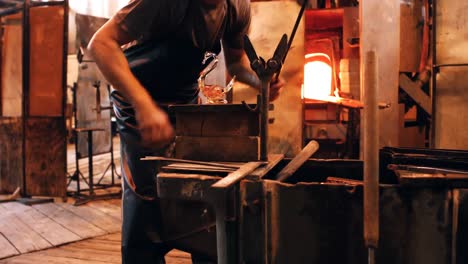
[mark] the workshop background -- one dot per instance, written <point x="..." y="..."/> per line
<point x="364" y="156"/>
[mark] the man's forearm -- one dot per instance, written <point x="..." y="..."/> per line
<point x="244" y="73"/>
<point x="113" y="65"/>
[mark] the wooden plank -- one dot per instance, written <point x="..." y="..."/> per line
<point x="172" y="260"/>
<point x="40" y="258"/>
<point x="98" y="244"/>
<point x="217" y="148"/>
<point x="94" y="251"/>
<point x="85" y="254"/>
<point x="96" y="217"/>
<point x="6" y="248"/>
<point x="21" y="235"/>
<point x="46" y="159"/>
<point x="71" y="221"/>
<point x="46" y="227"/>
<point x="111" y="237"/>
<point x="414" y="90"/>
<point x="178" y="254"/>
<point x="109" y="207"/>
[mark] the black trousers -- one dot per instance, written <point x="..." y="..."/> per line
<point x="151" y="226"/>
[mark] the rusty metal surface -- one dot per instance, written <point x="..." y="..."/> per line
<point x="460" y="228"/>
<point x="185" y="186"/>
<point x="380" y="28"/>
<point x="450" y="109"/>
<point x="11" y="146"/>
<point x="311" y="223"/>
<point x="215" y="120"/>
<point x="314" y="222"/>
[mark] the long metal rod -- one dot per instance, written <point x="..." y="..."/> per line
<point x="371" y="154"/>
<point x="64" y="80"/>
<point x="434" y="74"/>
<point x="214" y="164"/>
<point x="265" y="103"/>
<point x="25" y="85"/>
<point x="296" y="26"/>
<point x="450" y="65"/>
<point x="293" y="34"/>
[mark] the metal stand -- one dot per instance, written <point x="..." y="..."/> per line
<point x="77" y="175"/>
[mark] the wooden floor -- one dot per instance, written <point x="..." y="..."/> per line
<point x="104" y="249"/>
<point x="60" y="232"/>
<point x="26" y="229"/>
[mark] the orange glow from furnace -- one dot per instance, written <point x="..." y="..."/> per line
<point x="318" y="74"/>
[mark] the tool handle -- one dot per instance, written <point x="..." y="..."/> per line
<point x="371" y="151"/>
<point x="298" y="161"/>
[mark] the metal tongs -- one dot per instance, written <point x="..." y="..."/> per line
<point x="265" y="71"/>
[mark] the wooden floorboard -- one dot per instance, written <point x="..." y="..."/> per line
<point x="109" y="207"/>
<point x="104" y="249"/>
<point x="96" y="217"/>
<point x="20" y="235"/>
<point x="71" y="221"/>
<point x="6" y="248"/>
<point x="46" y="227"/>
<point x="25" y="229"/>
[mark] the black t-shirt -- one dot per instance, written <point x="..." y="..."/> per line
<point x="152" y="19"/>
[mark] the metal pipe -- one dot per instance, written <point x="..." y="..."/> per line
<point x="450" y="65"/>
<point x="293" y="34"/>
<point x="371" y="153"/>
<point x="25" y="86"/>
<point x="434" y="74"/>
<point x="64" y="79"/>
<point x="264" y="108"/>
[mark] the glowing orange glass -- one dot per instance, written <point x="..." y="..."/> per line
<point x="318" y="74"/>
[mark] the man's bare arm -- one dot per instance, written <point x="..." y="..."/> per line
<point x="105" y="48"/>
<point x="238" y="64"/>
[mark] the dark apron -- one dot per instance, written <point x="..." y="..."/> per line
<point x="152" y="226"/>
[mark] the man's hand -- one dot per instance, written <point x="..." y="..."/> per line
<point x="155" y="129"/>
<point x="276" y="86"/>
